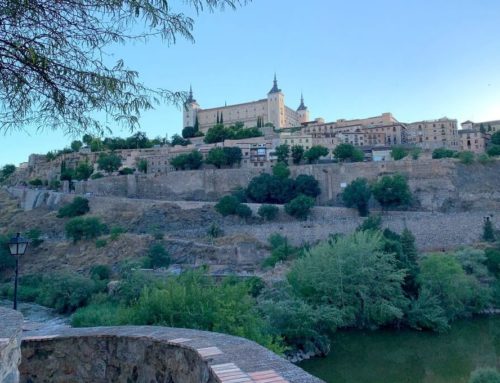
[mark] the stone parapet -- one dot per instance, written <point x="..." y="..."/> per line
<point x="151" y="354"/>
<point x="10" y="345"/>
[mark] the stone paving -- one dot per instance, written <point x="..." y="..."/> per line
<point x="230" y="359"/>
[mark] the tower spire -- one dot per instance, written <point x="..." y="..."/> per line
<point x="190" y="98"/>
<point x="302" y="105"/>
<point x="275" y="88"/>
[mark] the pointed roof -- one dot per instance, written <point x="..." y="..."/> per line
<point x="190" y="98"/>
<point x="275" y="88"/>
<point x="301" y="106"/>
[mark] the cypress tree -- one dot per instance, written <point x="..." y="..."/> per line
<point x="196" y="124"/>
<point x="488" y="232"/>
<point x="221" y="121"/>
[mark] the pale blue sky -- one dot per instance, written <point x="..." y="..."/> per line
<point x="419" y="59"/>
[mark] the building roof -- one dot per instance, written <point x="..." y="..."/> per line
<point x="275" y="88"/>
<point x="301" y="106"/>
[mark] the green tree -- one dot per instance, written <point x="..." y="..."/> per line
<point x="315" y="153"/>
<point x="352" y="276"/>
<point x="189" y="132"/>
<point x="268" y="212"/>
<point x="345" y="152"/>
<point x="300" y="207"/>
<point x="216" y="157"/>
<point x="53" y="72"/>
<point x="297" y="154"/>
<point x="76" y="145"/>
<point x="358" y="194"/>
<point x="442" y="153"/>
<point x="215" y="134"/>
<point x="87" y="139"/>
<point x="485" y="375"/>
<point x="96" y="145"/>
<point x="281" y="171"/>
<point x="84" y="228"/>
<point x="488" y="231"/>
<point x="142" y="165"/>
<point x="178" y="140"/>
<point x="494" y="151"/>
<point x="79" y="206"/>
<point x="227" y="205"/>
<point x="495" y="138"/>
<point x="158" y="256"/>
<point x="282" y="152"/>
<point x="408" y="261"/>
<point x="7" y="171"/>
<point x="392" y="191"/>
<point x="398" y="153"/>
<point x="307" y="185"/>
<point x="83" y="171"/>
<point x="243" y="211"/>
<point x="109" y="162"/>
<point x="466" y="157"/>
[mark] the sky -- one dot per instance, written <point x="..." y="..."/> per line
<point x="418" y="59"/>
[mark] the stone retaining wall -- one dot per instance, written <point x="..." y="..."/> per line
<point x="148" y="354"/>
<point x="10" y="344"/>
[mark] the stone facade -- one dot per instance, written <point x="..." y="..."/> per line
<point x="150" y="354"/>
<point x="10" y="345"/>
<point x="472" y="140"/>
<point x="434" y="134"/>
<point x="271" y="110"/>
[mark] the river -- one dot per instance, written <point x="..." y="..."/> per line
<point x="410" y="356"/>
<point x="37" y="317"/>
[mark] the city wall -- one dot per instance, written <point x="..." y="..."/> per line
<point x="444" y="185"/>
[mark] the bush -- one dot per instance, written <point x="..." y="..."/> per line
<point x="485" y="375"/>
<point x="84" y="228"/>
<point x="215" y="231"/>
<point x="100" y="243"/>
<point x="484" y="159"/>
<point x="190" y="161"/>
<point x="126" y="171"/>
<point x="443" y="153"/>
<point x="79" y="206"/>
<point x="281" y="171"/>
<point x="392" y="191"/>
<point x="300" y="207"/>
<point x="315" y="153"/>
<point x="115" y="232"/>
<point x="7" y="261"/>
<point x="281" y="250"/>
<point x="493" y="260"/>
<point x="415" y="153"/>
<point x="96" y="176"/>
<point x="158" y="256"/>
<point x="36" y="182"/>
<point x="109" y="162"/>
<point x="398" y="153"/>
<point x="345" y="152"/>
<point x="494" y="151"/>
<point x="34" y="236"/>
<point x="358" y="194"/>
<point x="54" y="185"/>
<point x="488" y="231"/>
<point x="268" y="212"/>
<point x="227" y="205"/>
<point x="100" y="272"/>
<point x="466" y="157"/>
<point x="243" y="211"/>
<point x="307" y="185"/>
<point x="372" y="223"/>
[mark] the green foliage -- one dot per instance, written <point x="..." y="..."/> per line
<point x="415" y="153"/>
<point x="7" y="171"/>
<point x="55" y="185"/>
<point x="357" y="194"/>
<point x="35" y="182"/>
<point x="76" y="145"/>
<point x="495" y="138"/>
<point x="115" y="232"/>
<point x="307" y="185"/>
<point x="300" y="207"/>
<point x="34" y="236"/>
<point x="109" y="162"/>
<point x="240" y="194"/>
<point x="158" y="256"/>
<point x="281" y="250"/>
<point x="227" y="156"/>
<point x="7" y="261"/>
<point x="354" y="278"/>
<point x="281" y="171"/>
<point x="220" y="133"/>
<point x="443" y="153"/>
<point x="488" y="231"/>
<point x="188" y="132"/>
<point x="79" y="206"/>
<point x="227" y="205"/>
<point x="297" y="154"/>
<point x="243" y="211"/>
<point x="493" y="150"/>
<point x="189" y="161"/>
<point x="84" y="228"/>
<point x="315" y="153"/>
<point x="484" y="159"/>
<point x="100" y="243"/>
<point x="142" y="165"/>
<point x="345" y="152"/>
<point x="268" y="212"/>
<point x="178" y="140"/>
<point x="398" y="153"/>
<point x="126" y="171"/>
<point x="466" y="157"/>
<point x="96" y="176"/>
<point x="485" y="375"/>
<point x="392" y="191"/>
<point x="215" y="231"/>
<point x="372" y="223"/>
<point x="425" y="312"/>
<point x="282" y="152"/>
<point x="100" y="272"/>
<point x="493" y="260"/>
<point x="83" y="171"/>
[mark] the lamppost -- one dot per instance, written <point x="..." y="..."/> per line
<point x="17" y="246"/>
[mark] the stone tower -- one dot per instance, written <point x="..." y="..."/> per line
<point x="276" y="106"/>
<point x="302" y="111"/>
<point x="190" y="110"/>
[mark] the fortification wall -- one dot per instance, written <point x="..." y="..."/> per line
<point x="150" y="354"/>
<point x="436" y="184"/>
<point x="10" y="345"/>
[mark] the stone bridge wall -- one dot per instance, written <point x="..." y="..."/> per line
<point x="10" y="344"/>
<point x="151" y="354"/>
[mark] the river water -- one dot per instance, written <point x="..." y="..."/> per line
<point x="410" y="356"/>
<point x="38" y="317"/>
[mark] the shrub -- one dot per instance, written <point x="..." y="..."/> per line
<point x="142" y="165"/>
<point x="488" y="231"/>
<point x="115" y="232"/>
<point x="215" y="231"/>
<point x="158" y="256"/>
<point x="493" y="260"/>
<point x="268" y="212"/>
<point x="96" y="176"/>
<point x="392" y="191"/>
<point x="466" y="157"/>
<point x="7" y="261"/>
<point x="100" y="272"/>
<point x="281" y="171"/>
<point x="315" y="153"/>
<point x="307" y="185"/>
<point x="443" y="153"/>
<point x="79" y="206"/>
<point x="485" y="375"/>
<point x="36" y="182"/>
<point x="415" y="153"/>
<point x="345" y="152"/>
<point x="100" y="243"/>
<point x="34" y="236"/>
<point x="372" y="223"/>
<point x="191" y="161"/>
<point x="398" y="153"/>
<point x="243" y="211"/>
<point x="494" y="151"/>
<point x="126" y="171"/>
<point x="227" y="205"/>
<point x="300" y="207"/>
<point x="54" y="184"/>
<point x="358" y="194"/>
<point x="281" y="250"/>
<point x="84" y="228"/>
<point x="109" y="162"/>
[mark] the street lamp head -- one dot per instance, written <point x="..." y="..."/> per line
<point x="17" y="245"/>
